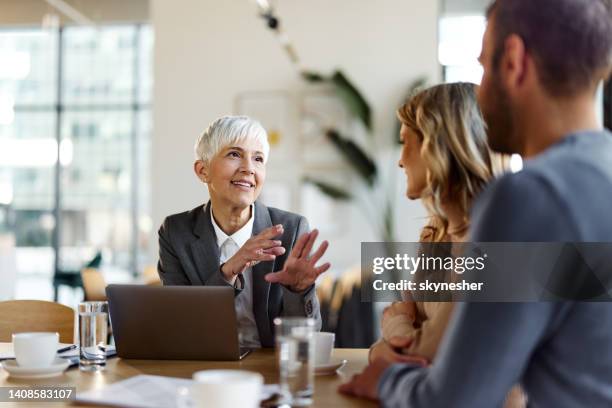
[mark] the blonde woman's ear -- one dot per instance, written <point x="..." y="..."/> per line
<point x="201" y="170"/>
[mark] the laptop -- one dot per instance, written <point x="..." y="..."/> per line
<point x="174" y="322"/>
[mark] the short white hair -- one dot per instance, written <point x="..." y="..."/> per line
<point x="228" y="130"/>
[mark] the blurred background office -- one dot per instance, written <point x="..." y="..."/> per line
<point x="101" y="102"/>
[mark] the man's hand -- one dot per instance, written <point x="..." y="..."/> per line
<point x="365" y="385"/>
<point x="299" y="271"/>
<point x="261" y="247"/>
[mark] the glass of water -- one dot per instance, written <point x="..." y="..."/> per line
<point x="295" y="349"/>
<point x="93" y="330"/>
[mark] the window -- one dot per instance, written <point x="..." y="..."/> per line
<point x="460" y="46"/>
<point x="79" y="96"/>
<point x="458" y="51"/>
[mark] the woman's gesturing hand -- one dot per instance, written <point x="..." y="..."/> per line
<point x="260" y="247"/>
<point x="300" y="270"/>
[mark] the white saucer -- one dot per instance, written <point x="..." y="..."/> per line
<point x="15" y="371"/>
<point x="329" y="368"/>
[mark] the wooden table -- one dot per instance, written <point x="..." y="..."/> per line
<point x="261" y="361"/>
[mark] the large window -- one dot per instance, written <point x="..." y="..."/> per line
<point x="459" y="47"/>
<point x="458" y="51"/>
<point x="460" y="43"/>
<point x="75" y="128"/>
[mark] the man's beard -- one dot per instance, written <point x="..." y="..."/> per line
<point x="498" y="117"/>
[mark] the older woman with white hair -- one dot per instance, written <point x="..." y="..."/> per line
<point x="235" y="240"/>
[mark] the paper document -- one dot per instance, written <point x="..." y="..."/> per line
<point x="147" y="391"/>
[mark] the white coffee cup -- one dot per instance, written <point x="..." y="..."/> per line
<point x="35" y="349"/>
<point x="324" y="344"/>
<point x="223" y="389"/>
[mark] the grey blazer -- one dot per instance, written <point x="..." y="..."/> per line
<point x="189" y="255"/>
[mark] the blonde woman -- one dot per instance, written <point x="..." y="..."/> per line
<point x="447" y="163"/>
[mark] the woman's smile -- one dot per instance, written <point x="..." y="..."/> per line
<point x="243" y="185"/>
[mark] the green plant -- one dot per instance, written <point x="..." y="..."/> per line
<point x="378" y="208"/>
<point x="356" y="157"/>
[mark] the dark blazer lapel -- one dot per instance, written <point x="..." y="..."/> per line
<point x="205" y="250"/>
<point x="261" y="288"/>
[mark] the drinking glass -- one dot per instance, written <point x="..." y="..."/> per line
<point x="93" y="330"/>
<point x="295" y="349"/>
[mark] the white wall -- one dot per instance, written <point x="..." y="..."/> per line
<point x="208" y="51"/>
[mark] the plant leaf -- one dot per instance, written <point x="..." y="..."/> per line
<point x="388" y="224"/>
<point x="354" y="156"/>
<point x="417" y="85"/>
<point x="354" y="101"/>
<point x="312" y="76"/>
<point x="329" y="190"/>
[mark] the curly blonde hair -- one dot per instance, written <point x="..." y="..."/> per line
<point x="448" y="122"/>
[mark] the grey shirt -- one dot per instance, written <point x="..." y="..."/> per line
<point x="560" y="352"/>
